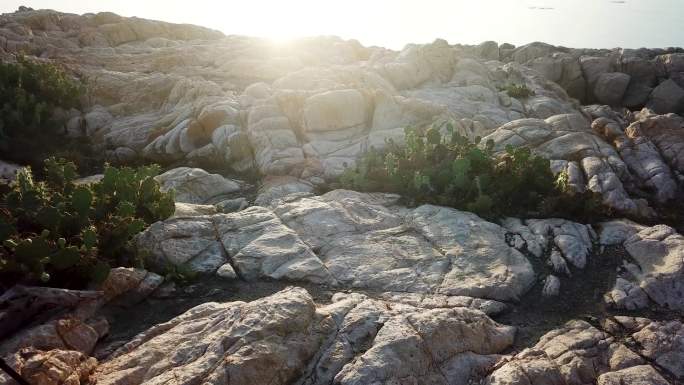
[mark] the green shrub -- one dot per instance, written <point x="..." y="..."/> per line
<point x="63" y="234"/>
<point x="31" y="93"/>
<point x="518" y="91"/>
<point x="453" y="171"/>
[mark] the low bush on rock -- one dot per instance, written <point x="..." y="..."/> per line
<point x="33" y="99"/>
<point x="518" y="91"/>
<point x="453" y="171"/>
<point x="65" y="234"/>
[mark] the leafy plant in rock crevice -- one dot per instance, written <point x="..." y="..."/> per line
<point x="64" y="234"/>
<point x="450" y="170"/>
<point x="518" y="91"/>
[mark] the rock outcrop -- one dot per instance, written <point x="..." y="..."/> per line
<point x="286" y="338"/>
<point x="419" y="284"/>
<point x="579" y="353"/>
<point x="183" y="94"/>
<point x="655" y="270"/>
<point x="619" y="77"/>
<point x="329" y="238"/>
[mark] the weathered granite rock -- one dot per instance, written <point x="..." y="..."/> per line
<point x="661" y="342"/>
<point x="21" y="305"/>
<point x="626" y="295"/>
<point x="193" y="210"/>
<point x="572" y="145"/>
<point x="659" y="265"/>
<point x="571" y="242"/>
<point x="649" y="169"/>
<point x="576" y="353"/>
<point x="57" y="326"/>
<point x="231" y="343"/>
<point x="232" y="205"/>
<point x="329" y="238"/>
<point x="666" y="132"/>
<point x="256" y="241"/>
<point x="574" y="240"/>
<point x="279" y="187"/>
<point x="55" y="367"/>
<point x="551" y="287"/>
<point x="196" y="186"/>
<point x="482" y="264"/>
<point x="65" y="333"/>
<point x="636" y="375"/>
<point x="659" y="251"/>
<point x="436" y="301"/>
<point x="177" y="93"/>
<point x="562" y="68"/>
<point x="129" y="286"/>
<point x="184" y="94"/>
<point x="667" y="97"/>
<point x="354" y="340"/>
<point x="610" y="88"/>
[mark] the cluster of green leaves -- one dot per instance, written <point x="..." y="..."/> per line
<point x="65" y="234"/>
<point x="450" y="170"/>
<point x="518" y="91"/>
<point x="31" y="92"/>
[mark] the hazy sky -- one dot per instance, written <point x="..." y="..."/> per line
<point x="393" y="23"/>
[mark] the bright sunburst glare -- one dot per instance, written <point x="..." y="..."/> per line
<point x="394" y="23"/>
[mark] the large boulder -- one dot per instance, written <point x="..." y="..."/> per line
<point x="196" y="186"/>
<point x="650" y="170"/>
<point x="335" y="110"/>
<point x="667" y="97"/>
<point x="666" y="132"/>
<point x="610" y="88"/>
<point x="254" y="241"/>
<point x="55" y="367"/>
<point x="569" y="141"/>
<point x="659" y="252"/>
<point x="655" y="276"/>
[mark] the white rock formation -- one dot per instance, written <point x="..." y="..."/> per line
<point x="351" y="240"/>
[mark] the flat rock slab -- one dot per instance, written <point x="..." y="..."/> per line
<point x="350" y="240"/>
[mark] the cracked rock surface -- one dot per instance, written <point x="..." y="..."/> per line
<point x="329" y="238"/>
<point x="579" y="353"/>
<point x="656" y="274"/>
<point x="286" y="338"/>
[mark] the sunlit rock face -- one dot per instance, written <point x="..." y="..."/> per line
<point x="309" y="108"/>
<point x="330" y="239"/>
<point x="287" y="338"/>
<point x="361" y="340"/>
